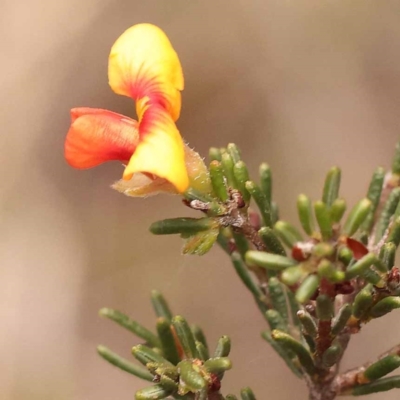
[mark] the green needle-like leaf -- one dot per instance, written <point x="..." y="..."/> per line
<point x="324" y="219"/>
<point x="308" y="323"/>
<point x="185" y="336"/>
<point x="247" y="394"/>
<point x="361" y="265"/>
<point x="337" y="210"/>
<point x="186" y="226"/>
<point x="289" y="343"/>
<point x="167" y="341"/>
<point x="155" y="392"/>
<point x="241" y="175"/>
<point x="266" y="181"/>
<point x="278" y="297"/>
<point x="214" y="154"/>
<point x="331" y="186"/>
<point x="190" y="376"/>
<point x="382" y="367"/>
<point x="223" y="347"/>
<point x="160" y="305"/>
<point x="199" y="336"/>
<point x="357" y="216"/>
<point x="218" y="180"/>
<point x="396" y="160"/>
<point x="263" y="205"/>
<point x="146" y="355"/>
<point x="381" y="385"/>
<point x="374" y="195"/>
<point x="341" y="318"/>
<point x="270" y="261"/>
<point x="324" y="307"/>
<point x="307" y="288"/>
<point x="332" y="355"/>
<point x="385" y="306"/>
<point x="386" y="214"/>
<point x="218" y="365"/>
<point x="283" y="353"/>
<point x="271" y="241"/>
<point x="234" y="152"/>
<point x="288" y="233"/>
<point x="304" y="209"/>
<point x="123" y="364"/>
<point x="363" y="301"/>
<point x="130" y="325"/>
<point x="276" y="321"/>
<point x="227" y="164"/>
<point x="387" y="255"/>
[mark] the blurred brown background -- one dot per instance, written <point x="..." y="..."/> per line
<point x="303" y="85"/>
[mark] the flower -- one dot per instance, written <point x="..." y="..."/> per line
<point x="144" y="66"/>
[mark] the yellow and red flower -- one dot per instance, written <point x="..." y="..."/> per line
<point x="144" y="66"/>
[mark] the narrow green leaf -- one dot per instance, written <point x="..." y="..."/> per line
<point x="361" y="265"/>
<point x="266" y="335"/>
<point x="199" y="336"/>
<point x="341" y="318"/>
<point x="304" y="210"/>
<point x="274" y="212"/>
<point x="123" y="364"/>
<point x="155" y="392"/>
<point x="200" y="243"/>
<point x="381" y="385"/>
<point x="374" y="195"/>
<point x="263" y="205"/>
<point x="308" y="323"/>
<point x="332" y="355"/>
<point x="271" y="241"/>
<point x="385" y="306"/>
<point x="146" y="355"/>
<point x="276" y="321"/>
<point x="292" y="275"/>
<point x="396" y="160"/>
<point x="266" y="181"/>
<point x="287" y="233"/>
<point x="382" y="367"/>
<point x="131" y="325"/>
<point x="327" y="270"/>
<point x="278" y="297"/>
<point x="357" y="216"/>
<point x="323" y="218"/>
<point x="386" y="214"/>
<point x="231" y="397"/>
<point x="241" y="175"/>
<point x="331" y="186"/>
<point x="201" y="351"/>
<point x="270" y="261"/>
<point x="394" y="232"/>
<point x="244" y="275"/>
<point x="363" y="301"/>
<point x="187" y="226"/>
<point x="234" y="152"/>
<point x="214" y="154"/>
<point x="247" y="394"/>
<point x="218" y="365"/>
<point x="190" y="376"/>
<point x="307" y="289"/>
<point x="160" y="305"/>
<point x="223" y="347"/>
<point x="218" y="180"/>
<point x="345" y="255"/>
<point x="289" y="343"/>
<point x="185" y="336"/>
<point x="387" y="255"/>
<point x="227" y="164"/>
<point x="337" y="210"/>
<point x="167" y="341"/>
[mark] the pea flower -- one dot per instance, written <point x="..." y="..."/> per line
<point x="144" y="66"/>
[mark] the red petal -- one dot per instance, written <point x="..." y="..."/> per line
<point x="97" y="136"/>
<point x="358" y="249"/>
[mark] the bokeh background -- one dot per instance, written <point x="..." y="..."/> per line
<point x="302" y="84"/>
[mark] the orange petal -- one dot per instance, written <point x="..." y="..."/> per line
<point x="160" y="150"/>
<point x="144" y="65"/>
<point x="97" y="135"/>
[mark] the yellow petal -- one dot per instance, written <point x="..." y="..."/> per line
<point x="160" y="150"/>
<point x="144" y="65"/>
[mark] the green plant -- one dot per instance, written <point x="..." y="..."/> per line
<point x="315" y="289"/>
